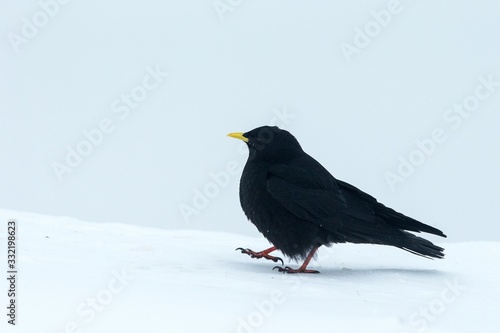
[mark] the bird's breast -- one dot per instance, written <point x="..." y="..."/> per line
<point x="253" y="190"/>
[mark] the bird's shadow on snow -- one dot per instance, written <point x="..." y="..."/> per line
<point x="350" y="273"/>
<point x="381" y="271"/>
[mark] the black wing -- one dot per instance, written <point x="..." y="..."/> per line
<point x="309" y="191"/>
<point x="388" y="215"/>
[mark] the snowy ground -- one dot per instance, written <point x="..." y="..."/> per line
<point x="79" y="276"/>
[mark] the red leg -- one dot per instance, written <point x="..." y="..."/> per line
<point x="261" y="254"/>
<point x="303" y="268"/>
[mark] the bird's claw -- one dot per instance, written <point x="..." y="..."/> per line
<point x="259" y="255"/>
<point x="290" y="270"/>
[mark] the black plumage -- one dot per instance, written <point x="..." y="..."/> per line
<point x="299" y="206"/>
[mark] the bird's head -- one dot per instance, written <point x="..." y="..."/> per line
<point x="269" y="143"/>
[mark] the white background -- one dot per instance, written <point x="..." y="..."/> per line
<point x="234" y="74"/>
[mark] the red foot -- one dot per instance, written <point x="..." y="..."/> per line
<point x="290" y="270"/>
<point x="261" y="254"/>
<point x="303" y="268"/>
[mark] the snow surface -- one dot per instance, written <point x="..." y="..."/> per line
<point x="194" y="281"/>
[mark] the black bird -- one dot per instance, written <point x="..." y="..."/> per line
<point x="299" y="206"/>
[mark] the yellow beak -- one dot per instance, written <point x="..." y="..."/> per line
<point x="238" y="135"/>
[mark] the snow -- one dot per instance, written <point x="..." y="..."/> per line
<point x="151" y="280"/>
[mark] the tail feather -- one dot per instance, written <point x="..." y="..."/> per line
<point x="389" y="228"/>
<point x="385" y="234"/>
<point x="403" y="222"/>
<point x="419" y="246"/>
<point x="408" y="241"/>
